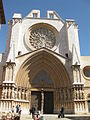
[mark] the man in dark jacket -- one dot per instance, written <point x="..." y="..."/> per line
<point x="33" y="111"/>
<point x="62" y="112"/>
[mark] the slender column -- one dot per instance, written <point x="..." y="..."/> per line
<point x="9" y="105"/>
<point x="3" y="93"/>
<point x="30" y="99"/>
<point x="4" y="105"/>
<point x="19" y="92"/>
<point x="1" y="105"/>
<point x="83" y="106"/>
<point x="25" y="97"/>
<point x="64" y="92"/>
<point x="6" y="93"/>
<point x="42" y="101"/>
<point x="22" y="93"/>
<point x="6" y="75"/>
<point x="9" y="92"/>
<point x="12" y="92"/>
<point x="54" y="101"/>
<point x="15" y="93"/>
<point x="80" y="92"/>
<point x="10" y="72"/>
<point x="69" y="94"/>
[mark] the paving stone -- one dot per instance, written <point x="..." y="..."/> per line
<point x="55" y="117"/>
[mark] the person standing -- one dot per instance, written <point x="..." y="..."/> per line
<point x="62" y="112"/>
<point x="33" y="111"/>
<point x="17" y="108"/>
<point x="13" y="109"/>
<point x="19" y="111"/>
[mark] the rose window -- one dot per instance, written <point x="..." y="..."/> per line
<point x="42" y="37"/>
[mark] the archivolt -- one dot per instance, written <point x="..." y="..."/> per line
<point x="43" y="60"/>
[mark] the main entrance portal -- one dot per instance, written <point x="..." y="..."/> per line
<point x="47" y="82"/>
<point x="46" y="100"/>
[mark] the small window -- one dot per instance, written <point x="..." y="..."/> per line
<point x="51" y="16"/>
<point x="19" y="52"/>
<point x="34" y="15"/>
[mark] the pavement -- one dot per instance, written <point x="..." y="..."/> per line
<point x="26" y="117"/>
<point x="55" y="117"/>
<point x="43" y="117"/>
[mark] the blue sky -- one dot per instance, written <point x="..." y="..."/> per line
<point x="79" y="10"/>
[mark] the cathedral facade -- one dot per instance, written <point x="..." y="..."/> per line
<point x="42" y="66"/>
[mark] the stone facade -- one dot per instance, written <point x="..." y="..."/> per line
<point x="42" y="65"/>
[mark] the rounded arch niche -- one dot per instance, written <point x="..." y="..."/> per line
<point x="43" y="63"/>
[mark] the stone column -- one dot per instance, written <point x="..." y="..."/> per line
<point x="19" y="93"/>
<point x="9" y="90"/>
<point x="25" y="97"/>
<point x="4" y="105"/>
<point x="23" y="93"/>
<point x="12" y="92"/>
<point x="42" y="101"/>
<point x="6" y="93"/>
<point x="15" y="93"/>
<point x="30" y="99"/>
<point x="3" y="93"/>
<point x="7" y="73"/>
<point x="1" y="106"/>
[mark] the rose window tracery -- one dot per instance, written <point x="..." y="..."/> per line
<point x="42" y="37"/>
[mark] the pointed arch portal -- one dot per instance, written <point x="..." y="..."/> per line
<point x="47" y="81"/>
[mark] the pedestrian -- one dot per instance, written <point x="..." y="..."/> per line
<point x="19" y="111"/>
<point x="62" y="111"/>
<point x="38" y="113"/>
<point x="30" y="111"/>
<point x="17" y="108"/>
<point x="13" y="109"/>
<point x="33" y="111"/>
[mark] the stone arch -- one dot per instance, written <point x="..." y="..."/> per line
<point x="43" y="60"/>
<point x="47" y="25"/>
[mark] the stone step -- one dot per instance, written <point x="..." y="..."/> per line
<point x="80" y="118"/>
<point x="52" y="118"/>
<point x="67" y="117"/>
<point x="55" y="117"/>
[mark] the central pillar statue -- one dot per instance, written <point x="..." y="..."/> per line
<point x="42" y="100"/>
